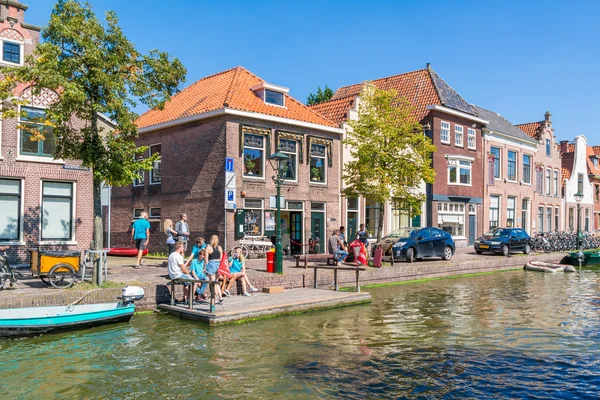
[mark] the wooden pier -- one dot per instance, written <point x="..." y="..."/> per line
<point x="291" y="301"/>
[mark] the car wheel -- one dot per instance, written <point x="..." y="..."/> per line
<point x="478" y="252"/>
<point x="527" y="249"/>
<point x="447" y="253"/>
<point x="410" y="255"/>
<point x="505" y="250"/>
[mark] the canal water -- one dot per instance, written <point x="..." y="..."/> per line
<point x="507" y="335"/>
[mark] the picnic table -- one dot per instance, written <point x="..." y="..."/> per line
<point x="335" y="269"/>
<point x="181" y="281"/>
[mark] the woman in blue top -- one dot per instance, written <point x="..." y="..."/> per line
<point x="238" y="271"/>
<point x="197" y="271"/>
<point x="171" y="235"/>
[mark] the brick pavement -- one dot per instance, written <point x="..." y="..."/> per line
<point x="32" y="292"/>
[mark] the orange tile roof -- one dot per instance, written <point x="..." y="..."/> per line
<point x="335" y="110"/>
<point x="531" y="128"/>
<point x="229" y="89"/>
<point x="566" y="165"/>
<point x="596" y="150"/>
<point x="568" y="157"/>
<point x="590" y="152"/>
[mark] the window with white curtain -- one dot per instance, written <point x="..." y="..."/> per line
<point x="10" y="210"/>
<point x="57" y="211"/>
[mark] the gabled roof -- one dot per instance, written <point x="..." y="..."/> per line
<point x="421" y="88"/>
<point x="228" y="89"/>
<point x="499" y="124"/>
<point x="531" y="128"/>
<point x="335" y="110"/>
<point x="569" y="155"/>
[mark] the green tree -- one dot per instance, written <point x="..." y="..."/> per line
<point x="319" y="97"/>
<point x="390" y="155"/>
<point x="95" y="69"/>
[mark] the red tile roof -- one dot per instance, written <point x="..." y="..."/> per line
<point x="531" y="128"/>
<point x="567" y="165"/>
<point x="596" y="150"/>
<point x="229" y="89"/>
<point x="569" y="155"/>
<point x="335" y="110"/>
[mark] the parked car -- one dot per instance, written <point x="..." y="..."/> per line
<point x="504" y="241"/>
<point x="422" y="243"/>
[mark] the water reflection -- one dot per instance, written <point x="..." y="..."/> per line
<point x="513" y="334"/>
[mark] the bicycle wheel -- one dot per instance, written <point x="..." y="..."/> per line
<point x="3" y="275"/>
<point x="62" y="276"/>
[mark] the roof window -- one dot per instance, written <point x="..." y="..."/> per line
<point x="271" y="94"/>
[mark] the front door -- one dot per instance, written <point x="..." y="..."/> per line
<point x="472" y="229"/>
<point x="352" y="226"/>
<point x="296" y="232"/>
<point x="317" y="229"/>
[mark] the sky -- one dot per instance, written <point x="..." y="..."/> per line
<point x="517" y="58"/>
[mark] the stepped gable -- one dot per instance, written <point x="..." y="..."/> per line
<point x="228" y="89"/>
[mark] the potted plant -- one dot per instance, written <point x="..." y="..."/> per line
<point x="315" y="174"/>
<point x="249" y="164"/>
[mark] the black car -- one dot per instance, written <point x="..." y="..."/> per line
<point x="423" y="242"/>
<point x="504" y="241"/>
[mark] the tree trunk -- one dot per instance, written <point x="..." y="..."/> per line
<point x="381" y="219"/>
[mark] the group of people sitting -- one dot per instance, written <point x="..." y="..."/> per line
<point x="204" y="263"/>
<point x="338" y="246"/>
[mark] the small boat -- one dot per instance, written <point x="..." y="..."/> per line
<point x="38" y="320"/>
<point x="124" y="252"/>
<point x="548" y="267"/>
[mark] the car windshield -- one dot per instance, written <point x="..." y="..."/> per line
<point x="498" y="232"/>
<point x="400" y="233"/>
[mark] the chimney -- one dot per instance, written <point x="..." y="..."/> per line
<point x="428" y="65"/>
<point x="13" y="11"/>
<point x="547" y="116"/>
<point x="563" y="145"/>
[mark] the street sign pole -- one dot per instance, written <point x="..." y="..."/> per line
<point x="229" y="196"/>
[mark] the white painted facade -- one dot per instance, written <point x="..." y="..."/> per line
<point x="579" y="181"/>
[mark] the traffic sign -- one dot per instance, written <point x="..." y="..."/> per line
<point x="230" y="196"/>
<point x="230" y="199"/>
<point x="229" y="180"/>
<point x="228" y="164"/>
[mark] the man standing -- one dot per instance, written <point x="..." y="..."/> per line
<point x="336" y="247"/>
<point x="183" y="231"/>
<point x="177" y="268"/>
<point x="140" y="235"/>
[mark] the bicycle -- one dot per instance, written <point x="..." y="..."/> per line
<point x="7" y="273"/>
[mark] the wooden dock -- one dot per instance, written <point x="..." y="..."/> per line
<point x="239" y="308"/>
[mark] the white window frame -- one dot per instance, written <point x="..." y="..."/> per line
<point x="151" y="181"/>
<point x="452" y="208"/>
<point x="548" y="147"/>
<point x="548" y="182"/>
<point x="499" y="163"/>
<point x="19" y="241"/>
<point x="141" y="180"/>
<point x="274" y="91"/>
<point x="513" y="209"/>
<point x="531" y="169"/>
<point x="472" y="138"/>
<point x="133" y="216"/>
<point x="72" y="240"/>
<point x="459" y="132"/>
<point x="447" y="129"/>
<point x="32" y="158"/>
<point x="153" y="216"/>
<point x="556" y="177"/>
<point x="291" y="153"/>
<point x="499" y="208"/>
<point x="516" y="153"/>
<point x="21" y="52"/>
<point x="263" y="158"/>
<point x="325" y="164"/>
<point x="455" y="162"/>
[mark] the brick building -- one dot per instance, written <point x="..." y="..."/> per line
<point x="454" y="201"/>
<point x="39" y="196"/>
<point x="581" y="173"/>
<point x="234" y="114"/>
<point x="547" y="212"/>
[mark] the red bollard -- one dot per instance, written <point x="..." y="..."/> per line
<point x="271" y="261"/>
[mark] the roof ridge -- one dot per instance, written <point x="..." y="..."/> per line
<point x="534" y="122"/>
<point x="439" y="98"/>
<point x="231" y="89"/>
<point x="378" y="79"/>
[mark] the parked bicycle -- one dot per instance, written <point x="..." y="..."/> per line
<point x="563" y="241"/>
<point x="7" y="272"/>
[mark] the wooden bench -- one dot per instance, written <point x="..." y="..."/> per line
<point x="335" y="271"/>
<point x="328" y="258"/>
<point x="181" y="281"/>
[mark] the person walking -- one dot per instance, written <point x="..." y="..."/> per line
<point x="171" y="235"/>
<point x="183" y="231"/>
<point x="140" y="235"/>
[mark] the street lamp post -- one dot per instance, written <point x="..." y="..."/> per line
<point x="278" y="161"/>
<point x="578" y="198"/>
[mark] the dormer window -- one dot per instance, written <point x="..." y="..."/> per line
<point x="595" y="161"/>
<point x="271" y="94"/>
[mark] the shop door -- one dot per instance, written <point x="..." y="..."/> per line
<point x="296" y="232"/>
<point x="472" y="229"/>
<point x="317" y="228"/>
<point x="351" y="229"/>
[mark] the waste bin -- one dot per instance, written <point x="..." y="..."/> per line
<point x="271" y="261"/>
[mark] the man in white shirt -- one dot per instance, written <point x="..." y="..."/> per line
<point x="177" y="268"/>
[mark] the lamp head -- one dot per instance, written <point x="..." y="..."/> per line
<point x="276" y="160"/>
<point x="578" y="197"/>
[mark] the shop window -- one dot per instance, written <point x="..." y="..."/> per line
<point x="57" y="211"/>
<point x="290" y="148"/>
<point x="496" y="153"/>
<point x="510" y="212"/>
<point x="372" y="210"/>
<point x="253" y="217"/>
<point x="10" y="204"/>
<point x="458" y="136"/>
<point x="452" y="218"/>
<point x="472" y="138"/>
<point x="494" y="211"/>
<point x="512" y="166"/>
<point x="401" y="215"/>
<point x="445" y="133"/>
<point x="37" y="138"/>
<point x="318" y="155"/>
<point x="155" y="177"/>
<point x="526" y="168"/>
<point x="254" y="155"/>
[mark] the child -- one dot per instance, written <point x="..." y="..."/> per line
<point x="197" y="271"/>
<point x="200" y="245"/>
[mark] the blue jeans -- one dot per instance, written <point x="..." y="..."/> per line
<point x="340" y="255"/>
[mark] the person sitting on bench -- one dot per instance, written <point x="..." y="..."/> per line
<point x="236" y="267"/>
<point x="336" y="247"/>
<point x="197" y="272"/>
<point x="177" y="268"/>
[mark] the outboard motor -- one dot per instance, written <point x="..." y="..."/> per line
<point x="131" y="294"/>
